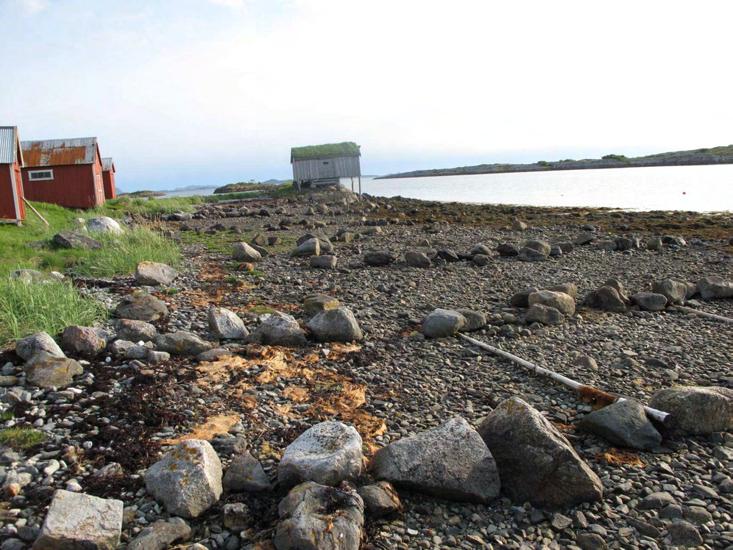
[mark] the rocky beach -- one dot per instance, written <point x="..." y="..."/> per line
<point x="301" y="382"/>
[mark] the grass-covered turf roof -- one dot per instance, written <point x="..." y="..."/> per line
<point x="327" y="150"/>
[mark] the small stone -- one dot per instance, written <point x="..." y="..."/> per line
<point x="135" y="331"/>
<point x="161" y="535"/>
<point x="326" y="261"/>
<point x="442" y="322"/>
<point x="414" y="258"/>
<point x="237" y="516"/>
<point x="560" y="522"/>
<point x="245" y="474"/>
<point x="378" y="258"/>
<point x="245" y="253"/>
<point x="380" y="499"/>
<point x="224" y="323"/>
<point x="655" y="501"/>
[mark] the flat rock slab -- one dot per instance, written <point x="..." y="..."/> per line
<point x="182" y="343"/>
<point x="161" y="535"/>
<point x="154" y="273"/>
<point x="187" y="480"/>
<point x="47" y="371"/>
<point x="318" y="517"/>
<point x="327" y="453"/>
<point x="141" y="306"/>
<point x="450" y="461"/>
<point x="536" y="462"/>
<point x="623" y="423"/>
<point x="697" y="409"/>
<point x="76" y="521"/>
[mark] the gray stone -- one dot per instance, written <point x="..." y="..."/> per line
<point x="380" y="499"/>
<point x="48" y="371"/>
<point x="450" y="461"/>
<point x="154" y="274"/>
<point x="697" y="409"/>
<point x="415" y="258"/>
<point x="237" y="516"/>
<point x="507" y="250"/>
<point x="623" y="423"/>
<point x="655" y="501"/>
<point x="76" y="521"/>
<point x="715" y="288"/>
<point x="161" y="535"/>
<point x="607" y="245"/>
<point x="326" y="261"/>
<point x="224" y="323"/>
<point x="83" y="341"/>
<point x="674" y="291"/>
<point x="442" y="322"/>
<point x="683" y="533"/>
<point x="521" y="298"/>
<point x="559" y="300"/>
<point x="542" y="247"/>
<point x="555" y="251"/>
<point x="606" y="298"/>
<point x="547" y="315"/>
<point x="135" y="331"/>
<point x="480" y="249"/>
<point x="378" y="258"/>
<point x="537" y="463"/>
<point x="279" y="329"/>
<point x="650" y="301"/>
<point x="475" y="320"/>
<point x="181" y="343"/>
<point x="585" y="238"/>
<point x="245" y="253"/>
<point x="75" y="239"/>
<point x="519" y="225"/>
<point x="309" y="247"/>
<point x="327" y="453"/>
<point x="481" y="260"/>
<point x="104" y="224"/>
<point x="571" y="289"/>
<point x="141" y="306"/>
<point x="245" y="474"/>
<point x="654" y="243"/>
<point x="335" y="325"/>
<point x="528" y="254"/>
<point x="40" y="342"/>
<point x="187" y="480"/>
<point x="317" y="517"/>
<point x="590" y="541"/>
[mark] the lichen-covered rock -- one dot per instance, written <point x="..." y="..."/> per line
<point x="318" y="517"/>
<point x="187" y="480"/>
<point x="154" y="274"/>
<point x="537" y="463"/>
<point x="135" y="331"/>
<point x="450" y="461"/>
<point x="40" y="342"/>
<point x="336" y="325"/>
<point x="161" y="535"/>
<point x="141" y="306"/>
<point x="279" y="329"/>
<point x="562" y="302"/>
<point x="48" y="371"/>
<point x="182" y="343"/>
<point x="224" y="323"/>
<point x="697" y="409"/>
<point x="76" y="521"/>
<point x="327" y="453"/>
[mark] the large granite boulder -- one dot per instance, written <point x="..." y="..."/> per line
<point x="697" y="409"/>
<point x="336" y="325"/>
<point x="450" y="461"/>
<point x="187" y="480"/>
<point x="536" y="462"/>
<point x="623" y="423"/>
<point x="181" y="343"/>
<point x="104" y="224"/>
<point x="224" y="323"/>
<point x="83" y="340"/>
<point x="49" y="371"/>
<point x="674" y="291"/>
<point x="76" y="521"/>
<point x="606" y="298"/>
<point x="75" y="239"/>
<point x="318" y="517"/>
<point x="154" y="274"/>
<point x="327" y="453"/>
<point x="309" y="247"/>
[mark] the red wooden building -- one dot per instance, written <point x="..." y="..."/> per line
<point x="108" y="176"/>
<point x="67" y="172"/>
<point x="11" y="181"/>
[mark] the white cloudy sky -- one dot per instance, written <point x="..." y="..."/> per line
<point x="212" y="91"/>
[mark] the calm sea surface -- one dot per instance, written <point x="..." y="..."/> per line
<point x="696" y="188"/>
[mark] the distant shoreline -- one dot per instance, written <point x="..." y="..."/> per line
<point x="697" y="157"/>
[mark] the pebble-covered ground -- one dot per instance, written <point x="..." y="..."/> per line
<point x="115" y="420"/>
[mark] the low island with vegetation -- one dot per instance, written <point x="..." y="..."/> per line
<point x="714" y="155"/>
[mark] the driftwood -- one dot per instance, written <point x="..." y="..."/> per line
<point x="36" y="212"/>
<point x="590" y="393"/>
<point x="704" y="314"/>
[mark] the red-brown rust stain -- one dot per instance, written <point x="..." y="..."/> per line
<point x="55" y="156"/>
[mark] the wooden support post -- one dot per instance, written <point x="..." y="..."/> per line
<point x="360" y="185"/>
<point x="352" y="184"/>
<point x="36" y="212"/>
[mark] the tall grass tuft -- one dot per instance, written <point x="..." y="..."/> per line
<point x="120" y="254"/>
<point x="50" y="306"/>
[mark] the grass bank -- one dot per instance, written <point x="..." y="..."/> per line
<point x="49" y="306"/>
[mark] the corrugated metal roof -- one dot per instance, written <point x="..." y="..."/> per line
<point x="59" y="152"/>
<point x="8" y="144"/>
<point x="108" y="164"/>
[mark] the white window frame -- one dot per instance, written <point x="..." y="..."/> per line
<point x="48" y="171"/>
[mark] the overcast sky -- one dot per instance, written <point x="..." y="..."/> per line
<point x="213" y="91"/>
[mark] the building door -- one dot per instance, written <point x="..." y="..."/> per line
<point x="98" y="189"/>
<point x="328" y="169"/>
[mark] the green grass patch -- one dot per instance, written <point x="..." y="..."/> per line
<point x="261" y="309"/>
<point x="50" y="306"/>
<point x="20" y="438"/>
